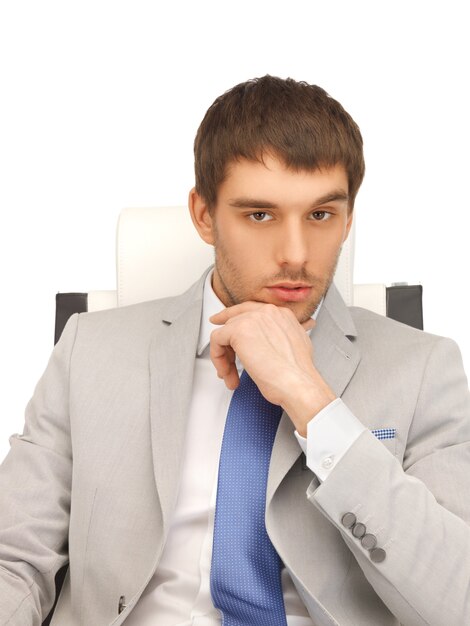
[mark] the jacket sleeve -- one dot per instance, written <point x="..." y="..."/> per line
<point x="35" y="487"/>
<point x="418" y="512"/>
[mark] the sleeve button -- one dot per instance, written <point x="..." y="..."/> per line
<point x="369" y="541"/>
<point x="378" y="555"/>
<point x="359" y="530"/>
<point x="348" y="520"/>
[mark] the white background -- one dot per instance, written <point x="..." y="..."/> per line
<point x="100" y="102"/>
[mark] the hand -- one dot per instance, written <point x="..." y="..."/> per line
<point x="276" y="352"/>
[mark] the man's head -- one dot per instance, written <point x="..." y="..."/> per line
<point x="299" y="123"/>
<point x="278" y="165"/>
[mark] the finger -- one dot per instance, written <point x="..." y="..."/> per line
<point x="221" y="353"/>
<point x="309" y="324"/>
<point x="232" y="380"/>
<point x="227" y="371"/>
<point x="223" y="358"/>
<point x="236" y="309"/>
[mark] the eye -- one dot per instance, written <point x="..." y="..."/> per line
<point x="321" y="216"/>
<point x="260" y="216"/>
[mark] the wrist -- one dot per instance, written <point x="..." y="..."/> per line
<point x="308" y="398"/>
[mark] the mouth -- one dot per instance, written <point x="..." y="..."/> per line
<point x="290" y="292"/>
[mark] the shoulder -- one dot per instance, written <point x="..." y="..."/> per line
<point x="367" y="321"/>
<point x="385" y="336"/>
<point x="130" y="315"/>
<point x="140" y="320"/>
<point x="126" y="330"/>
<point x="112" y="334"/>
<point x="143" y="316"/>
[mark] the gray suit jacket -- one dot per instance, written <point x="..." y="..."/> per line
<point x="94" y="476"/>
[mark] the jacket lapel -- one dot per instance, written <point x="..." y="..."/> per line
<point x="336" y="357"/>
<point x="172" y="356"/>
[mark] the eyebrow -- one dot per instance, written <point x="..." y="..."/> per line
<point x="258" y="203"/>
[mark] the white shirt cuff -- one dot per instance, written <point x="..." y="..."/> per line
<point x="330" y="434"/>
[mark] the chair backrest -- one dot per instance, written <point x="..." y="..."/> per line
<point x="159" y="253"/>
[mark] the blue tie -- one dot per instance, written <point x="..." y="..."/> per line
<point x="246" y="569"/>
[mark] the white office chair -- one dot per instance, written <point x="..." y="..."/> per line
<point x="159" y="253"/>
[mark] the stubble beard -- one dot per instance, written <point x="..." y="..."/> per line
<point x="235" y="291"/>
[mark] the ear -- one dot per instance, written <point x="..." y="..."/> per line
<point x="201" y="217"/>
<point x="348" y="225"/>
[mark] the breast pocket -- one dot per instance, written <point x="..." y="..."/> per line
<point x="388" y="437"/>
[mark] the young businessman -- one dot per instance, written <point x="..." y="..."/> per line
<point x="162" y="450"/>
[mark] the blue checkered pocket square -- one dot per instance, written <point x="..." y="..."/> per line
<point x="384" y="433"/>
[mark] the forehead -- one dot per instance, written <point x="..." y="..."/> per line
<point x="273" y="181"/>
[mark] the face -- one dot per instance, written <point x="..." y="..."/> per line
<point x="277" y="233"/>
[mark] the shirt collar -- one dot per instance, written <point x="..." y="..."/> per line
<point x="212" y="305"/>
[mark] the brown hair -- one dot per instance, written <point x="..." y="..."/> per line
<point x="297" y="122"/>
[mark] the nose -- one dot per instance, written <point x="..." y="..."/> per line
<point x="292" y="245"/>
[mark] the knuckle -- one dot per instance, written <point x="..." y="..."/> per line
<point x="288" y="313"/>
<point x="271" y="309"/>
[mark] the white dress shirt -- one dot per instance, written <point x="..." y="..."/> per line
<point x="179" y="592"/>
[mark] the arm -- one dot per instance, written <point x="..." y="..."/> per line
<point x="35" y="486"/>
<point x="419" y="513"/>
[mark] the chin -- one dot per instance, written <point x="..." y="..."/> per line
<point x="304" y="312"/>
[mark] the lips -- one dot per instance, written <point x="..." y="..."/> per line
<point x="290" y="286"/>
<point x="290" y="292"/>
